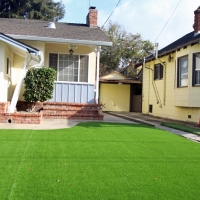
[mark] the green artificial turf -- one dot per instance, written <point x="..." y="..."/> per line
<point x="182" y="127"/>
<point x="98" y="161"/>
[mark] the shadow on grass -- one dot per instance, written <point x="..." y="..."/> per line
<point x="111" y="124"/>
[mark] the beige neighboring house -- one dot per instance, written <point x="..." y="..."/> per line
<point x="171" y="81"/>
<point x="73" y="50"/>
<point x="118" y="93"/>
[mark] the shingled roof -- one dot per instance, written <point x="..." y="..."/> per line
<point x="18" y="28"/>
<point x="188" y="39"/>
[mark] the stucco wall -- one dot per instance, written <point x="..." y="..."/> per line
<point x="18" y="62"/>
<point x="115" y="97"/>
<point x="175" y="102"/>
<point x="5" y="80"/>
<point x="8" y="79"/>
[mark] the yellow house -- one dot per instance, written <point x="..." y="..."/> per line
<point x="171" y="80"/>
<point x="73" y="50"/>
<point x="118" y="93"/>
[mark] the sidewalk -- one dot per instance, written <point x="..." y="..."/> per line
<point x="155" y="121"/>
<point x="49" y="124"/>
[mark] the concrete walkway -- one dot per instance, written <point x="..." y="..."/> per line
<point x="48" y="124"/>
<point x="155" y="121"/>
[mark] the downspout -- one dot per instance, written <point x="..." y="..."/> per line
<point x="97" y="74"/>
<point x="154" y="86"/>
<point x="144" y="65"/>
<point x="21" y="78"/>
<point x="41" y="60"/>
<point x="164" y="66"/>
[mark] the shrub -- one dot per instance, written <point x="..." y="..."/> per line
<point x="39" y="84"/>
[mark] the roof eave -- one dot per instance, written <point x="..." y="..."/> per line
<point x="170" y="51"/>
<point x="61" y="40"/>
<point x="19" y="45"/>
<point x="125" y="81"/>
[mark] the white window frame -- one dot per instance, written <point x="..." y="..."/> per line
<point x="179" y="71"/>
<point x="195" y="70"/>
<point x="78" y="67"/>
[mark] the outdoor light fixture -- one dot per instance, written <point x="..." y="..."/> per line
<point x="71" y="48"/>
<point x="71" y="52"/>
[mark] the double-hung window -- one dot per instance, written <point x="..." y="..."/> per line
<point x="158" y="72"/>
<point x="182" y="71"/>
<point x="196" y="69"/>
<point x="71" y="68"/>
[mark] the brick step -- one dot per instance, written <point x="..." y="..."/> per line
<point x="70" y="108"/>
<point x="67" y="114"/>
<point x="98" y="117"/>
<point x="55" y="112"/>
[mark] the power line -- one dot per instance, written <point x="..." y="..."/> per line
<point x="112" y="12"/>
<point x="168" y="20"/>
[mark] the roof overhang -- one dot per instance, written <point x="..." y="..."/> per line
<point x="61" y="40"/>
<point x="170" y="51"/>
<point x="124" y="81"/>
<point x="20" y="45"/>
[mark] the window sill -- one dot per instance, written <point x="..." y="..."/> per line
<point x="182" y="86"/>
<point x="77" y="83"/>
<point x="158" y="79"/>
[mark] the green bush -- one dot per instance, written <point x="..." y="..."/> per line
<point x="39" y="84"/>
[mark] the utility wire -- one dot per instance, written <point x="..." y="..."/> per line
<point x="111" y="13"/>
<point x="168" y="20"/>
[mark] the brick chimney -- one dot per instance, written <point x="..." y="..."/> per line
<point x="92" y="16"/>
<point x="196" y="25"/>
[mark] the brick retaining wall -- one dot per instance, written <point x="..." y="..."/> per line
<point x="51" y="110"/>
<point x="18" y="117"/>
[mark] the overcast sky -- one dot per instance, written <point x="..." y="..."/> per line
<point x="146" y="17"/>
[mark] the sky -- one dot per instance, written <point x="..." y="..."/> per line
<point x="146" y="17"/>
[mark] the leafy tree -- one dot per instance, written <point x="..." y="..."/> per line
<point x="126" y="50"/>
<point x="32" y="9"/>
<point x="39" y="84"/>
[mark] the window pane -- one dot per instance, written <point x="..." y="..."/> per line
<point x="197" y="61"/>
<point x="161" y="71"/>
<point x="83" y="74"/>
<point x="68" y="67"/>
<point x="197" y="77"/>
<point x="183" y="71"/>
<point x="53" y="61"/>
<point x="158" y="72"/>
